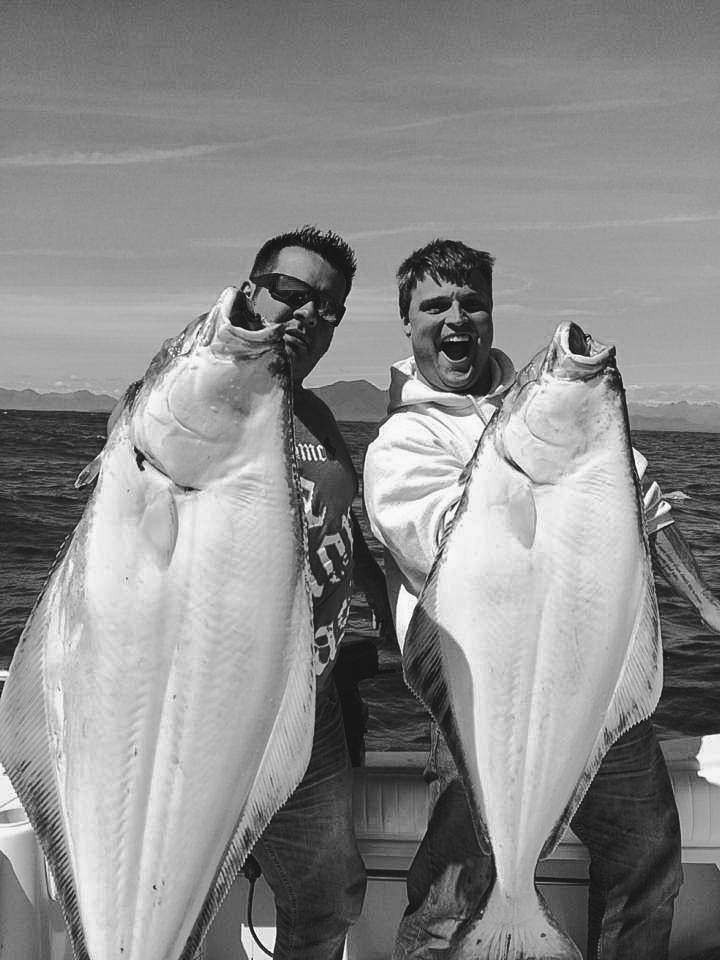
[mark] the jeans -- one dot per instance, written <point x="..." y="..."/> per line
<point x="308" y="852"/>
<point x="628" y="820"/>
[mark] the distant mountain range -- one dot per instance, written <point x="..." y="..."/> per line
<point x="32" y="400"/>
<point x="681" y="416"/>
<point x="360" y="400"/>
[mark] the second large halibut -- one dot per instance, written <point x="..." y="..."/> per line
<point x="535" y="643"/>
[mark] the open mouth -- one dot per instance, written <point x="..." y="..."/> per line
<point x="457" y="347"/>
<point x="243" y="317"/>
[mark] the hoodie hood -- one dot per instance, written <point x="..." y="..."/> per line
<point x="408" y="387"/>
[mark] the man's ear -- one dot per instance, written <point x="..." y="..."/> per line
<point x="407" y="329"/>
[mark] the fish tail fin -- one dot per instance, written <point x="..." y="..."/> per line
<point x="90" y="472"/>
<point x="503" y="932"/>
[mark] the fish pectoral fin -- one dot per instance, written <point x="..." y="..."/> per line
<point x="90" y="472"/>
<point x="521" y="514"/>
<point x="159" y="525"/>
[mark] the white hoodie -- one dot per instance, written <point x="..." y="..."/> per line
<point x="412" y="473"/>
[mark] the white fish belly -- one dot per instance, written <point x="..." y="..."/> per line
<point x="172" y="658"/>
<point x="553" y="586"/>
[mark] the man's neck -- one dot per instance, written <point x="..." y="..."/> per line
<point x="483" y="383"/>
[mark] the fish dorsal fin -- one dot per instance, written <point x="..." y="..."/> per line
<point x="29" y="759"/>
<point x="635" y="697"/>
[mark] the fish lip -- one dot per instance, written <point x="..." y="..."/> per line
<point x="228" y="333"/>
<point x="599" y="352"/>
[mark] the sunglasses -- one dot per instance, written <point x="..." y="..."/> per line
<point x="296" y="293"/>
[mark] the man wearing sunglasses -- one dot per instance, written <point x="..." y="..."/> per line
<point x="308" y="852"/>
<point x="301" y="287"/>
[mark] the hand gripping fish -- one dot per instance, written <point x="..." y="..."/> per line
<point x="535" y="643"/>
<point x="160" y="704"/>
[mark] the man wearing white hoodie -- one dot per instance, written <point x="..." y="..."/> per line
<point x="441" y="399"/>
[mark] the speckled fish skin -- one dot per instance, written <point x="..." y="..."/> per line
<point x="535" y="643"/>
<point x="160" y="704"/>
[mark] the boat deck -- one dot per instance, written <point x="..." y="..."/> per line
<point x="391" y="807"/>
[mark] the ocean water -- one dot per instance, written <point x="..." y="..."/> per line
<point x="42" y="453"/>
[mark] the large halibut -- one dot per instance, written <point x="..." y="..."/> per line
<point x="535" y="642"/>
<point x="160" y="704"/>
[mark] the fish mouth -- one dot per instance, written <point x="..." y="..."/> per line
<point x="457" y="347"/>
<point x="576" y="355"/>
<point x="241" y="314"/>
<point x="233" y="324"/>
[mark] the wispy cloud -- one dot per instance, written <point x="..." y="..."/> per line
<point x="229" y="243"/>
<point x="533" y="311"/>
<point x="93" y="158"/>
<point x="382" y="129"/>
<point x="245" y="243"/>
<point x="519" y="111"/>
<point x="393" y="231"/>
<point x="24" y="95"/>
<point x="604" y="224"/>
<point x="589" y="106"/>
<point x="86" y="253"/>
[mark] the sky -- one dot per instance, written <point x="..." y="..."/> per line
<point x="147" y="149"/>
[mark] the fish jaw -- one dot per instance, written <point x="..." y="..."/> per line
<point x="203" y="397"/>
<point x="561" y="405"/>
<point x="576" y="355"/>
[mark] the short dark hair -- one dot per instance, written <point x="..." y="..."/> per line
<point x="448" y="260"/>
<point x="327" y="244"/>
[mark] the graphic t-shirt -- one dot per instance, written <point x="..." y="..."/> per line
<point x="328" y="484"/>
